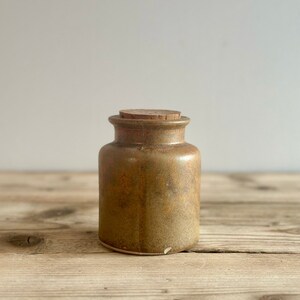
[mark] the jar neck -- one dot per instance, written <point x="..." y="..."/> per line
<point x="149" y="136"/>
<point x="149" y="132"/>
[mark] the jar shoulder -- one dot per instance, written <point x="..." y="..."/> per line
<point x="119" y="150"/>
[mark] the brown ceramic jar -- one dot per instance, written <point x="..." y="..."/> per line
<point x="149" y="185"/>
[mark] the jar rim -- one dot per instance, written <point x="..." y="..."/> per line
<point x="116" y="120"/>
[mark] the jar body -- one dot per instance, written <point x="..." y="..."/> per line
<point x="149" y="197"/>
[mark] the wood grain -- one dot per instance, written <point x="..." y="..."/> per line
<point x="253" y="213"/>
<point x="180" y="276"/>
<point x="249" y="246"/>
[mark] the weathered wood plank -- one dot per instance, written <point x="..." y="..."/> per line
<point x="49" y="245"/>
<point x="180" y="276"/>
<point x="215" y="187"/>
<point x="239" y="213"/>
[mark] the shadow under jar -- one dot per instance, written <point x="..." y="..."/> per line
<point x="149" y="185"/>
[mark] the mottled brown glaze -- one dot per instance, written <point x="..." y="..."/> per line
<point x="149" y="187"/>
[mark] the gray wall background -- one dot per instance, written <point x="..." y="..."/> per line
<point x="233" y="66"/>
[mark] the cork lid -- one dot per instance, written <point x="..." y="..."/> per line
<point x="154" y="114"/>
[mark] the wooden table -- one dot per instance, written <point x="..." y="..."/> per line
<point x="249" y="246"/>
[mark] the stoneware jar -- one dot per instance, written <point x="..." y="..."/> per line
<point x="149" y="184"/>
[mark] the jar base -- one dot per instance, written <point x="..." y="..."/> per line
<point x="139" y="253"/>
